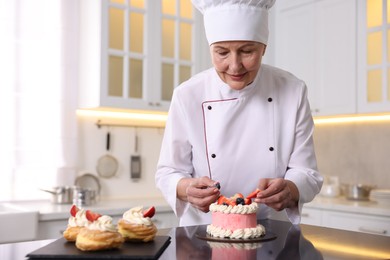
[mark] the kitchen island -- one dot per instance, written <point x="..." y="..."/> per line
<point x="291" y="242"/>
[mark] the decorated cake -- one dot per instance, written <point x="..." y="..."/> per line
<point x="235" y="218"/>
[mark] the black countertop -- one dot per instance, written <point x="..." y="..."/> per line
<point x="291" y="242"/>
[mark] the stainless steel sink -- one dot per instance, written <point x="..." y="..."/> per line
<point x="17" y="224"/>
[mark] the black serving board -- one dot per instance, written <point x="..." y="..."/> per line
<point x="62" y="249"/>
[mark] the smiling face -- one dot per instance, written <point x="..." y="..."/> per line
<point x="237" y="62"/>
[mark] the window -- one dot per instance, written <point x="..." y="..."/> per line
<point x="377" y="51"/>
<point x="38" y="95"/>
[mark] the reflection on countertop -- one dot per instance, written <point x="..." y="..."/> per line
<point x="292" y="242"/>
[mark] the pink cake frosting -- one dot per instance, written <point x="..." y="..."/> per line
<point x="237" y="222"/>
<point x="234" y="221"/>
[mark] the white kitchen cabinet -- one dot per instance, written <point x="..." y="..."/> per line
<point x="316" y="41"/>
<point x="311" y="216"/>
<point x="52" y="229"/>
<point x="133" y="53"/>
<point x="373" y="57"/>
<point x="357" y="222"/>
<point x="346" y="215"/>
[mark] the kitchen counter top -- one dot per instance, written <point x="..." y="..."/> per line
<point x="49" y="211"/>
<point x="351" y="206"/>
<point x="291" y="242"/>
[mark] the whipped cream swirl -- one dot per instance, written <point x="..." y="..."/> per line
<point x="79" y="220"/>
<point x="135" y="216"/>
<point x="238" y="209"/>
<point x="104" y="223"/>
<point x="243" y="233"/>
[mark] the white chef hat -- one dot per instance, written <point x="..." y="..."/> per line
<point x="234" y="20"/>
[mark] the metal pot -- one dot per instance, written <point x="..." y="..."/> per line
<point x="84" y="196"/>
<point x="357" y="191"/>
<point x="61" y="194"/>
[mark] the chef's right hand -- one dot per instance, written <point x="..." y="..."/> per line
<point x="200" y="192"/>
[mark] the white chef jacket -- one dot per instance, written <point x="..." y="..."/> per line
<point x="237" y="137"/>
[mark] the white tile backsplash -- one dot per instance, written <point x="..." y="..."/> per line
<point x="356" y="152"/>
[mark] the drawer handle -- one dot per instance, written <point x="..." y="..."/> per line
<point x="305" y="215"/>
<point x="374" y="231"/>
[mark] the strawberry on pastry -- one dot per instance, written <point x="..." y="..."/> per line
<point x="73" y="210"/>
<point x="149" y="213"/>
<point x="92" y="216"/>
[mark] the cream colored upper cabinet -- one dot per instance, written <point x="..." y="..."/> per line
<point x="373" y="56"/>
<point x="134" y="52"/>
<point x="316" y="41"/>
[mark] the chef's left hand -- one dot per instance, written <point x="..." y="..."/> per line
<point x="277" y="193"/>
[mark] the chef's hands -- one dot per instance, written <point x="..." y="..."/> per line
<point x="277" y="193"/>
<point x="200" y="192"/>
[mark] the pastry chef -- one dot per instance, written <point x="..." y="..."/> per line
<point x="242" y="124"/>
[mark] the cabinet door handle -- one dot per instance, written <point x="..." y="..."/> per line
<point x="374" y="231"/>
<point x="305" y="215"/>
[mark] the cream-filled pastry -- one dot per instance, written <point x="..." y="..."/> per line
<point x="100" y="234"/>
<point x="137" y="226"/>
